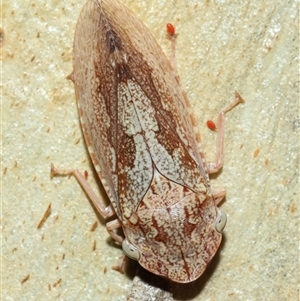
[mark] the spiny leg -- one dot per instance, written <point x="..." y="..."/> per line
<point x="214" y="167"/>
<point x="104" y="211"/>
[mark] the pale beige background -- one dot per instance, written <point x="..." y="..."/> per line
<point x="223" y="46"/>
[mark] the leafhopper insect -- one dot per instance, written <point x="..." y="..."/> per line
<point x="141" y="139"/>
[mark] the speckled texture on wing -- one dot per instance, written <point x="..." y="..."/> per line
<point x="132" y="109"/>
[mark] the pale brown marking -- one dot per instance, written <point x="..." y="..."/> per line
<point x="55" y="284"/>
<point x="45" y="216"/>
<point x="256" y="153"/>
<point x="26" y="278"/>
<point x="2" y="36"/>
<point x="94" y="226"/>
<point x="77" y="141"/>
<point x="293" y="208"/>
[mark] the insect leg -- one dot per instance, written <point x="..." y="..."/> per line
<point x="219" y="196"/>
<point x="120" y="267"/>
<point x="214" y="167"/>
<point x="111" y="226"/>
<point x="104" y="211"/>
<point x="172" y="36"/>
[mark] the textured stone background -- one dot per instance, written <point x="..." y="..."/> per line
<point x="223" y="46"/>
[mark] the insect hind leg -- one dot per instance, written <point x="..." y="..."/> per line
<point x="104" y="211"/>
<point x="214" y="167"/>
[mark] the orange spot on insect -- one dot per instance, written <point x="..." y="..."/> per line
<point x="211" y="125"/>
<point x="170" y="29"/>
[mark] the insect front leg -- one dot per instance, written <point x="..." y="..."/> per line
<point x="219" y="196"/>
<point x="214" y="167"/>
<point x="104" y="211"/>
<point x="111" y="227"/>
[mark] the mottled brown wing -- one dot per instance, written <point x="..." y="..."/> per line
<point x="133" y="112"/>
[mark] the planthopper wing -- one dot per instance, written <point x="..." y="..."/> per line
<point x="133" y="112"/>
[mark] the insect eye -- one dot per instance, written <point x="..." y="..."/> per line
<point x="130" y="250"/>
<point x="221" y="221"/>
